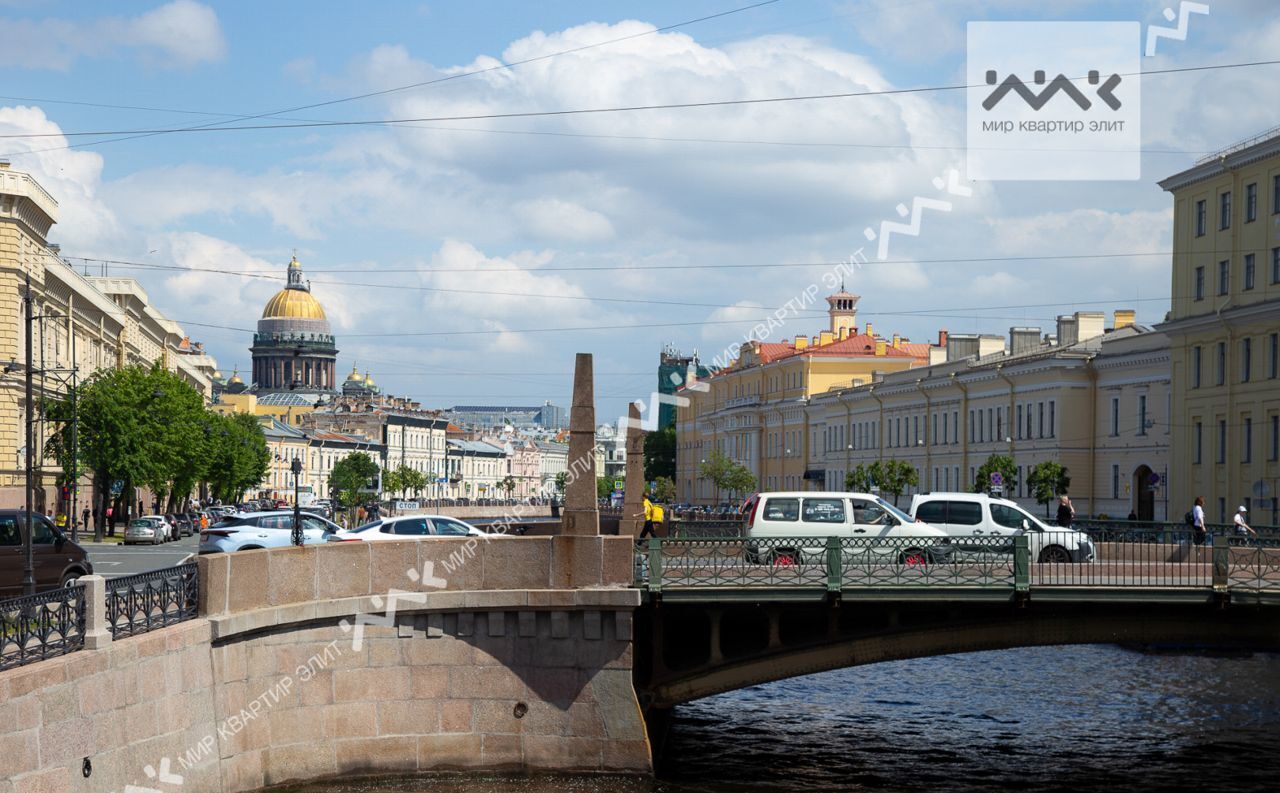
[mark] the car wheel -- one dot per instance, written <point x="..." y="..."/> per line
<point x="69" y="579"/>
<point x="784" y="557"/>
<point x="913" y="557"/>
<point x="1055" y="554"/>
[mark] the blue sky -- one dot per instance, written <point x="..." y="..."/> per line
<point x="394" y="213"/>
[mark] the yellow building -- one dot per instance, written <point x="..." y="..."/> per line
<point x="85" y="324"/>
<point x="754" y="410"/>
<point x="1223" y="328"/>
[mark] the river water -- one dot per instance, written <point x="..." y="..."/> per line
<point x="1052" y="718"/>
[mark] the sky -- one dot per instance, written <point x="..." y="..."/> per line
<point x="467" y="261"/>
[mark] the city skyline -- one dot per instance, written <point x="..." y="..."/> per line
<point x="656" y="189"/>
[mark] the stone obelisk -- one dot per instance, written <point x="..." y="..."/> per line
<point x="633" y="500"/>
<point x="581" y="514"/>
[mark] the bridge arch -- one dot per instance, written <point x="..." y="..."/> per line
<point x="688" y="652"/>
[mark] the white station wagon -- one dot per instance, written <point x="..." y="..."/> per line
<point x="810" y="517"/>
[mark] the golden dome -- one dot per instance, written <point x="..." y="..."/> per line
<point x="367" y="379"/>
<point x="235" y="378"/>
<point x="293" y="304"/>
<point x="354" y="377"/>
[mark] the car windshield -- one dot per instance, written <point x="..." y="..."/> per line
<point x="897" y="513"/>
<point x="140" y="523"/>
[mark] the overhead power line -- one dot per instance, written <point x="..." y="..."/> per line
<point x="585" y="111"/>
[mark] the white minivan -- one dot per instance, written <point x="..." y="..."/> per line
<point x="791" y="528"/>
<point x="983" y="515"/>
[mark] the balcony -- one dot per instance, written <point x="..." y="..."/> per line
<point x="742" y="401"/>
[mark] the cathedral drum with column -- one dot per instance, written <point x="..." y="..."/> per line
<point x="294" y="349"/>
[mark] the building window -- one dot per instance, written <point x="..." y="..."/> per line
<point x="1222" y="509"/>
<point x="1220" y="376"/>
<point x="1275" y="195"/>
<point x="999" y="424"/>
<point x="1115" y="481"/>
<point x="1275" y="265"/>
<point x="1019" y="430"/>
<point x="1250" y="202"/>
<point x="982" y="434"/>
<point x="1273" y="355"/>
<point x="1201" y="218"/>
<point x="1115" y="416"/>
<point x="1224" y="276"/>
<point x="1040" y="419"/>
<point x="1029" y="435"/>
<point x="1246" y="359"/>
<point x="1200" y="283"/>
<point x="1199" y="442"/>
<point x="972" y="424"/>
<point x="1224" y="211"/>
<point x="1275" y="438"/>
<point x="1246" y="440"/>
<point x="1142" y="414"/>
<point x="1053" y="407"/>
<point x="1195" y="367"/>
<point x="1222" y="440"/>
<point x="955" y="433"/>
<point x="1248" y="270"/>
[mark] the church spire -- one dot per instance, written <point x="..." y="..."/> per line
<point x="296" y="280"/>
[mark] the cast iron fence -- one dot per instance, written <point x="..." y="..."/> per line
<point x="140" y="603"/>
<point x="37" y="627"/>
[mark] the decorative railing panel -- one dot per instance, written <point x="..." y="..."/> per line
<point x="140" y="603"/>
<point x="41" y="626"/>
<point x="1251" y="563"/>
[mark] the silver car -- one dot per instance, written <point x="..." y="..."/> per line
<point x="153" y="529"/>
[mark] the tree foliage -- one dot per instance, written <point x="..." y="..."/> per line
<point x="508" y="484"/>
<point x="350" y="476"/>
<point x="997" y="463"/>
<point x="1047" y="481"/>
<point x="664" y="490"/>
<point x="725" y="474"/>
<point x="237" y="454"/>
<point x="660" y="454"/>
<point x="890" y="477"/>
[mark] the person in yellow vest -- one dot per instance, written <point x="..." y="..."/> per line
<point x="647" y="531"/>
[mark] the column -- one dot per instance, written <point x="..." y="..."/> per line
<point x="581" y="514"/>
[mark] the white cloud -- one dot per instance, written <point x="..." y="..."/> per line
<point x="181" y="33"/>
<point x="553" y="219"/>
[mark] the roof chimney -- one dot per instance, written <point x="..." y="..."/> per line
<point x="844" y="334"/>
<point x="881" y="347"/>
<point x="801" y="342"/>
<point x="870" y="332"/>
<point x="897" y="342"/>
<point x="961" y="345"/>
<point x="1023" y="340"/>
<point x="942" y="338"/>
<point x="825" y="338"/>
<point x="1066" y="330"/>
<point x="4" y="165"/>
<point x="1090" y="324"/>
<point x="1125" y="317"/>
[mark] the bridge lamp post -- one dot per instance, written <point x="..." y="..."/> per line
<point x="296" y="468"/>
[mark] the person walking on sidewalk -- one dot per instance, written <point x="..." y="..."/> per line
<point x="1242" y="528"/>
<point x="647" y="531"/>
<point x="1197" y="521"/>
<point x="1066" y="512"/>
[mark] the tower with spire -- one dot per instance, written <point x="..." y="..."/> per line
<point x="842" y="308"/>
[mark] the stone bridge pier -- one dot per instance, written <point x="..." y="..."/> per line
<point x="349" y="659"/>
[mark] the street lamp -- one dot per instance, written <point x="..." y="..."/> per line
<point x="296" y="468"/>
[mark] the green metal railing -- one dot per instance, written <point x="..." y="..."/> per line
<point x="1153" y="559"/>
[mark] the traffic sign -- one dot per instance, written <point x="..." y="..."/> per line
<point x="618" y="484"/>
<point x="996" y="479"/>
<point x="1153" y="480"/>
<point x="442" y="480"/>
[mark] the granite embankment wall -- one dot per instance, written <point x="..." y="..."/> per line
<point x="349" y="658"/>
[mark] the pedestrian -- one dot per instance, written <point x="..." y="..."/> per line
<point x="659" y="517"/>
<point x="204" y="521"/>
<point x="647" y="531"/>
<point x="84" y="518"/>
<point x="360" y="515"/>
<point x="1133" y="516"/>
<point x="1243" y="528"/>
<point x="1066" y="512"/>
<point x="1197" y="521"/>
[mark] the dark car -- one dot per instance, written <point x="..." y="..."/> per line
<point x="183" y="522"/>
<point x="58" y="560"/>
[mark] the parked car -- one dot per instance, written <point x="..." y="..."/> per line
<point x="979" y="514"/>
<point x="151" y="529"/>
<point x="775" y="518"/>
<point x="411" y="526"/>
<point x="182" y="522"/>
<point x="272" y="529"/>
<point x="57" y="560"/>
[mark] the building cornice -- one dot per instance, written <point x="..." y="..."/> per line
<point x="1234" y="315"/>
<point x="1224" y="163"/>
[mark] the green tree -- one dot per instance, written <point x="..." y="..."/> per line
<point x="392" y="482"/>
<point x="896" y="476"/>
<point x="412" y="480"/>
<point x="350" y="476"/>
<point x="1047" y="481"/>
<point x="508" y="484"/>
<point x="725" y="474"/>
<point x="664" y="490"/>
<point x="660" y="454"/>
<point x="604" y="487"/>
<point x="862" y="477"/>
<point x="562" y="479"/>
<point x="997" y="463"/>
<point x="238" y="455"/>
